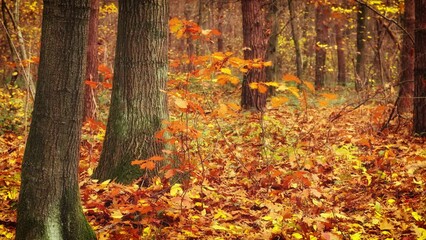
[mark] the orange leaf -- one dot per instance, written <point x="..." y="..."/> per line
<point x="156" y="158"/>
<point x="107" y="85"/>
<point x="91" y="84"/>
<point x="291" y="78"/>
<point x="262" y="88"/>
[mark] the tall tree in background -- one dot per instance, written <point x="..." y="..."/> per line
<point x="361" y="36"/>
<point x="220" y="19"/>
<point x="339" y="23"/>
<point x="406" y="81"/>
<point x="321" y="30"/>
<point x="138" y="101"/>
<point x="296" y="38"/>
<point x="255" y="40"/>
<point x="49" y="202"/>
<point x="271" y="52"/>
<point x="420" y="69"/>
<point x="92" y="62"/>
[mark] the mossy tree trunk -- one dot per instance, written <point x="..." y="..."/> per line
<point x="419" y="121"/>
<point x="49" y="202"/>
<point x="255" y="39"/>
<point x="138" y="102"/>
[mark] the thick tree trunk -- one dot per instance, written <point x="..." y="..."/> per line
<point x="321" y="30"/>
<point x="49" y="201"/>
<point x="361" y="33"/>
<point x="296" y="39"/>
<point x="138" y="102"/>
<point x="406" y="81"/>
<point x="341" y="60"/>
<point x="420" y="69"/>
<point x="255" y="40"/>
<point x="92" y="62"/>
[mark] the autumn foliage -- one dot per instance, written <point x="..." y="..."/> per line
<point x="312" y="165"/>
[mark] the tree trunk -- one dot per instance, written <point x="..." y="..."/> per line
<point x="255" y="40"/>
<point x="49" y="202"/>
<point x="271" y="52"/>
<point x="406" y="81"/>
<point x="220" y="19"/>
<point x="420" y="69"/>
<point x="341" y="60"/>
<point x="138" y="102"/>
<point x="321" y="39"/>
<point x="92" y="62"/>
<point x="296" y="39"/>
<point x="361" y="33"/>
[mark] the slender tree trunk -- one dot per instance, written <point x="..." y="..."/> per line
<point x="49" y="201"/>
<point x="220" y="19"/>
<point x="420" y="69"/>
<point x="255" y="40"/>
<point x="138" y="101"/>
<point x="341" y="60"/>
<point x="320" y="52"/>
<point x="92" y="62"/>
<point x="296" y="39"/>
<point x="361" y="33"/>
<point x="406" y="81"/>
<point x="271" y="52"/>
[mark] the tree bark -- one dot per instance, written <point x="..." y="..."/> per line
<point x="296" y="39"/>
<point x="271" y="52"/>
<point x="49" y="202"/>
<point x="361" y="33"/>
<point x="255" y="40"/>
<point x="406" y="81"/>
<point x="220" y="19"/>
<point x="138" y="102"/>
<point x="341" y="60"/>
<point x="92" y="62"/>
<point x="420" y="69"/>
<point x="321" y="30"/>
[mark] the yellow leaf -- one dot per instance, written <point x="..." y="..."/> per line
<point x="272" y="84"/>
<point x="297" y="235"/>
<point x="278" y="101"/>
<point x="116" y="214"/>
<point x="176" y="190"/>
<point x="267" y="64"/>
<point x="222" y="214"/>
<point x="294" y="90"/>
<point x="216" y="226"/>
<point x="253" y="85"/>
<point x="356" y="236"/>
<point x="105" y="183"/>
<point x="226" y="71"/>
<point x="417" y="216"/>
<point x="181" y="103"/>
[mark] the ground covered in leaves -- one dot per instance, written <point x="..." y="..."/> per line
<point x="324" y="172"/>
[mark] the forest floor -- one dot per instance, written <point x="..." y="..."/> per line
<point x="324" y="172"/>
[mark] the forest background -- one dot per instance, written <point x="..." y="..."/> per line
<point x="334" y="152"/>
